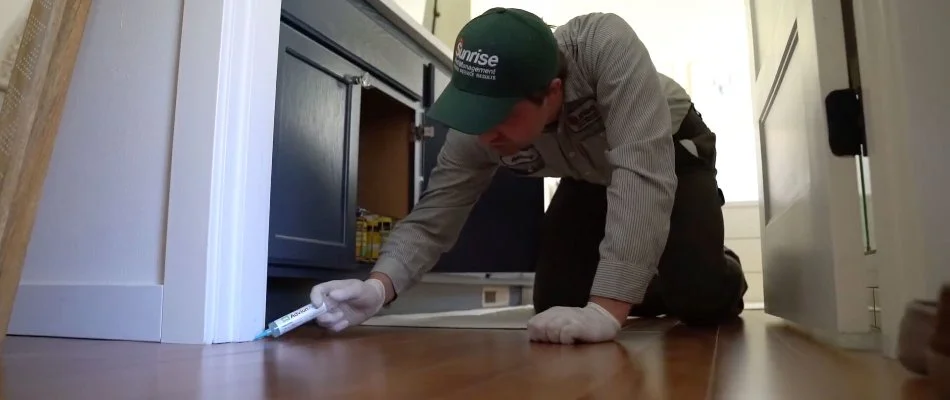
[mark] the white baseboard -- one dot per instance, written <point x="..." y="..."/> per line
<point x="88" y="311"/>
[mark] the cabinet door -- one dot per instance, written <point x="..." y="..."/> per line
<point x="501" y="233"/>
<point x="435" y="83"/>
<point x="313" y="184"/>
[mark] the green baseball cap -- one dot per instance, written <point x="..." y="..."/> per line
<point x="500" y="57"/>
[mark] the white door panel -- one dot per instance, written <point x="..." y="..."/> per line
<point x="814" y="262"/>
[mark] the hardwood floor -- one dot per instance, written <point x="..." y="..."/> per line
<point x="758" y="359"/>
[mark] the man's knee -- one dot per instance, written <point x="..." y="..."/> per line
<point x="713" y="301"/>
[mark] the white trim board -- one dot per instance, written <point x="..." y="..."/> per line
<point x="243" y="203"/>
<point x="118" y="312"/>
<point x="219" y="197"/>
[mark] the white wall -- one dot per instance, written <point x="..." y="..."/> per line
<point x="102" y="215"/>
<point x="101" y="221"/>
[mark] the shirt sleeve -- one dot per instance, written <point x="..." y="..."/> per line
<point x="464" y="169"/>
<point x="643" y="182"/>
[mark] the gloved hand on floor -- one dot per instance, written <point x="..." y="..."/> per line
<point x="350" y="302"/>
<point x="569" y="325"/>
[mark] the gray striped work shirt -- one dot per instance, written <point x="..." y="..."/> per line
<point x="616" y="130"/>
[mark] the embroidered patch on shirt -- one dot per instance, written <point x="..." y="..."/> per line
<point x="583" y="118"/>
<point x="527" y="161"/>
<point x="582" y="113"/>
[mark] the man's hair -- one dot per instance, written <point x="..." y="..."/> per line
<point x="538" y="97"/>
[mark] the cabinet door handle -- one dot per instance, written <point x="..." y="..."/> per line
<point x="362" y="80"/>
<point x="423" y="132"/>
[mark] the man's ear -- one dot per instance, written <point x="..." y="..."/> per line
<point x="555" y="86"/>
<point x="555" y="90"/>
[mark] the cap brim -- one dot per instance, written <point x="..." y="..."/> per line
<point x="470" y="113"/>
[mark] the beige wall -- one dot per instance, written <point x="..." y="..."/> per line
<point x="453" y="15"/>
<point x="417" y="9"/>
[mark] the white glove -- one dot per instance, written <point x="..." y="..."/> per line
<point x="350" y="302"/>
<point x="569" y="325"/>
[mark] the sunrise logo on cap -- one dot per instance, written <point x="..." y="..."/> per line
<point x="475" y="64"/>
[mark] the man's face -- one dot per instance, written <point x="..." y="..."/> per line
<point x="524" y="124"/>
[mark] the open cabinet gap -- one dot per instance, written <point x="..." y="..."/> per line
<point x="385" y="155"/>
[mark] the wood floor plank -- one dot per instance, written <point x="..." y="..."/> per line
<point x="765" y="356"/>
<point x="756" y="360"/>
<point x="553" y="371"/>
<point x="680" y="365"/>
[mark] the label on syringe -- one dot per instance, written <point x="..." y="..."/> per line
<point x="299" y="317"/>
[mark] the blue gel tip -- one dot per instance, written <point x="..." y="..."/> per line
<point x="263" y="334"/>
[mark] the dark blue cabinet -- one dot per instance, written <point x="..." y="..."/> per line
<point x="435" y="82"/>
<point x="313" y="186"/>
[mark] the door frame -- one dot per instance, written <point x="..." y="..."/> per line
<point x="907" y="266"/>
<point x="219" y="192"/>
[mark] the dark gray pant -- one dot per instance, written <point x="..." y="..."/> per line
<point x="699" y="281"/>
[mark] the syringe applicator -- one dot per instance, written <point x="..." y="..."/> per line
<point x="290" y="321"/>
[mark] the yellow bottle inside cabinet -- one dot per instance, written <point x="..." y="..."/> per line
<point x="375" y="242"/>
<point x="360" y="235"/>
<point x="371" y="227"/>
<point x="368" y="240"/>
<point x="363" y="237"/>
<point x="386" y="227"/>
